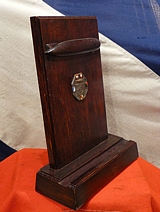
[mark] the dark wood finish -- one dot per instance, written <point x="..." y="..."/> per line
<point x="73" y="47"/>
<point x="83" y="157"/>
<point x="78" y="187"/>
<point x="71" y="127"/>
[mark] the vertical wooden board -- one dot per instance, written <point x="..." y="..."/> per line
<point x="76" y="126"/>
<point x="41" y="73"/>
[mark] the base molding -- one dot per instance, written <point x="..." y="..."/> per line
<point x="74" y="188"/>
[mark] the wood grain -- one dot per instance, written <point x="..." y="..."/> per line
<point x="72" y="127"/>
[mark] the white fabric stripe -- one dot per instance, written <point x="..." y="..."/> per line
<point x="132" y="94"/>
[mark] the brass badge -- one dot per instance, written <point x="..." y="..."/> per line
<point x="79" y="86"/>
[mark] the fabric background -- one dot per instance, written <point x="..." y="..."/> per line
<point x="133" y="24"/>
<point x="5" y="151"/>
<point x="132" y="90"/>
<point x="136" y="189"/>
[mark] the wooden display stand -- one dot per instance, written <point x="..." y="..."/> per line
<point x="83" y="157"/>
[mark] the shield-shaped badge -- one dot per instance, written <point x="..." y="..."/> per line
<point x="79" y="86"/>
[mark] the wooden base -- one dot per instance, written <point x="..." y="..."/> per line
<point x="80" y="180"/>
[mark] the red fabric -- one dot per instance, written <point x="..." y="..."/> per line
<point x="137" y="189"/>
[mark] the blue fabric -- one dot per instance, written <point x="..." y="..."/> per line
<point x="132" y="24"/>
<point x="5" y="151"/>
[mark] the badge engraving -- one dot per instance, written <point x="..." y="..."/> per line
<point x="79" y="86"/>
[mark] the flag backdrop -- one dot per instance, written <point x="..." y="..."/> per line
<point x="133" y="24"/>
<point x="129" y="35"/>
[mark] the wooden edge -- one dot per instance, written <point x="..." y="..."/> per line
<point x="77" y="188"/>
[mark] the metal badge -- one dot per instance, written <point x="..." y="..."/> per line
<point x="79" y="86"/>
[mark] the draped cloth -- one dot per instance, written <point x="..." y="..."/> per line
<point x="136" y="189"/>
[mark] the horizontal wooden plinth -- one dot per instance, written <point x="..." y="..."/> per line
<point x="82" y="183"/>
